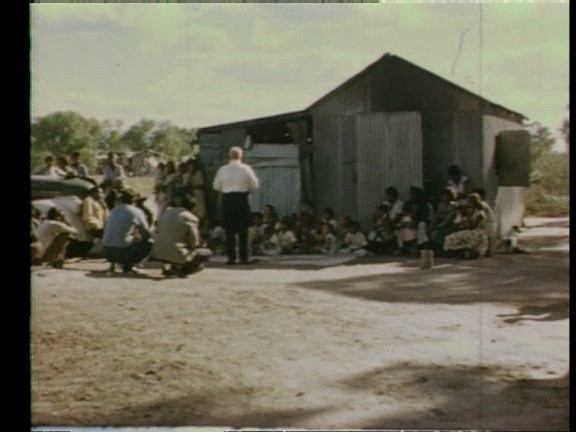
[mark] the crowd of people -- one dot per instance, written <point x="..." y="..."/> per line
<point x="118" y="219"/>
<point x="459" y="223"/>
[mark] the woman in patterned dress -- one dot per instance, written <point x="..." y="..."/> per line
<point x="473" y="241"/>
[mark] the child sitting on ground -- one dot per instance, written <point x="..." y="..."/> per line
<point x="217" y="238"/>
<point x="407" y="232"/>
<point x="355" y="240"/>
<point x="283" y="241"/>
<point x="326" y="242"/>
<point x="256" y="234"/>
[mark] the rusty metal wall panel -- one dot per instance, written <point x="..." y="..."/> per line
<point x="389" y="153"/>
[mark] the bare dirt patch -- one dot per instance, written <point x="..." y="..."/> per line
<point x="364" y="344"/>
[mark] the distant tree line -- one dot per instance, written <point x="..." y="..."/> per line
<point x="63" y="132"/>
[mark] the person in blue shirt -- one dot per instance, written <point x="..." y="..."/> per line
<point x="127" y="236"/>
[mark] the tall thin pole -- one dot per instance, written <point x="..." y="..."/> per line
<point x="480" y="43"/>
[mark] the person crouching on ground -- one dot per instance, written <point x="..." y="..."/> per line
<point x="54" y="234"/>
<point x="127" y="236"/>
<point x="178" y="241"/>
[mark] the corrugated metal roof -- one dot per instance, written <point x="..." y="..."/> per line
<point x="391" y="57"/>
<point x="386" y="58"/>
<point x="245" y="123"/>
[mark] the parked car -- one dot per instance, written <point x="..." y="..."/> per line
<point x="46" y="187"/>
<point x="65" y="193"/>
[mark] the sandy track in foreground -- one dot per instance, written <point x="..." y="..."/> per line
<point x="480" y="344"/>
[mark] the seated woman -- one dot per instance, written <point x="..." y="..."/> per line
<point x="382" y="237"/>
<point x="443" y="221"/>
<point x="471" y="242"/>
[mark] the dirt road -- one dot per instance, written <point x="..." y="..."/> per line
<point x="364" y="344"/>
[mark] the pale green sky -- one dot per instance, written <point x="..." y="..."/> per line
<point x="202" y="64"/>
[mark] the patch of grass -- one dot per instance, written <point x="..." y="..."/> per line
<point x="143" y="185"/>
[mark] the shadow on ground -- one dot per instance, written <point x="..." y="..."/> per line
<point x="477" y="397"/>
<point x="534" y="283"/>
<point x="224" y="408"/>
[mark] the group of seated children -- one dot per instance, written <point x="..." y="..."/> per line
<point x="458" y="226"/>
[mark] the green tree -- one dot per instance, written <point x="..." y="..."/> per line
<point x="549" y="189"/>
<point x="63" y="132"/>
<point x="139" y="136"/>
<point x="173" y="141"/>
<point x="565" y="131"/>
<point x="111" y="139"/>
<point x="541" y="143"/>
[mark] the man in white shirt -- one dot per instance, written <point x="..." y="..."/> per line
<point x="235" y="180"/>
<point x="111" y="171"/>
<point x="79" y="168"/>
<point x="127" y="236"/>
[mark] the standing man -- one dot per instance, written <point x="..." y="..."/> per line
<point x="127" y="236"/>
<point x="235" y="180"/>
<point x="111" y="171"/>
<point x="79" y="168"/>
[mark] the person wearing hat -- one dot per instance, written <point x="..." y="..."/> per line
<point x="54" y="234"/>
<point x="113" y="196"/>
<point x="139" y="200"/>
<point x="178" y="243"/>
<point x="127" y="236"/>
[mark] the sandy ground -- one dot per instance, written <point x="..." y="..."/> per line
<point x="369" y="343"/>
